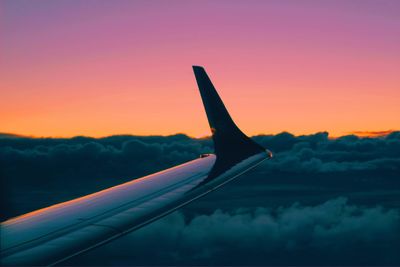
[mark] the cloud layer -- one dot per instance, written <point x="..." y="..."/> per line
<point x="317" y="153"/>
<point x="333" y="232"/>
<point x="40" y="161"/>
<point x="347" y="192"/>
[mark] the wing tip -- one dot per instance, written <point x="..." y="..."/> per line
<point x="197" y="67"/>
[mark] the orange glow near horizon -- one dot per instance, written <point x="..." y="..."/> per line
<point x="97" y="69"/>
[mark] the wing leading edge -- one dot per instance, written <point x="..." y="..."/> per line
<point x="51" y="235"/>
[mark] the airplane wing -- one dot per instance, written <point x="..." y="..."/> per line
<point x="51" y="235"/>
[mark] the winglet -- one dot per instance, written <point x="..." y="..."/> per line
<point x="230" y="143"/>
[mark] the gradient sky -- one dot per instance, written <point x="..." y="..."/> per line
<point x="99" y="68"/>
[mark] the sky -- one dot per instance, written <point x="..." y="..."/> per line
<point x="99" y="68"/>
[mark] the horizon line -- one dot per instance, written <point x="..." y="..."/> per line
<point x="361" y="134"/>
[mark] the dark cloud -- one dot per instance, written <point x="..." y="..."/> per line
<point x="333" y="232"/>
<point x="349" y="188"/>
<point x="115" y="157"/>
<point x="38" y="167"/>
<point x="317" y="153"/>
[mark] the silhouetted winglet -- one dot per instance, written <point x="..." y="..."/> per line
<point x="230" y="143"/>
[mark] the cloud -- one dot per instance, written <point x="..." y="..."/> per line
<point x="257" y="223"/>
<point x="334" y="232"/>
<point x="372" y="133"/>
<point x="38" y="167"/>
<point x="45" y="160"/>
<point x="317" y="153"/>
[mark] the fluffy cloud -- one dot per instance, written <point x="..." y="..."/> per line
<point x="257" y="223"/>
<point x="118" y="158"/>
<point x="317" y="153"/>
<point x="40" y="161"/>
<point x="48" y="164"/>
<point x="333" y="232"/>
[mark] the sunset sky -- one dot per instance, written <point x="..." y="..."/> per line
<point x="100" y="68"/>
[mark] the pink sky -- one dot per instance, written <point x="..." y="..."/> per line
<point x="99" y="68"/>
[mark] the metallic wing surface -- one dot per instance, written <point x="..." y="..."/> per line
<point x="51" y="235"/>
